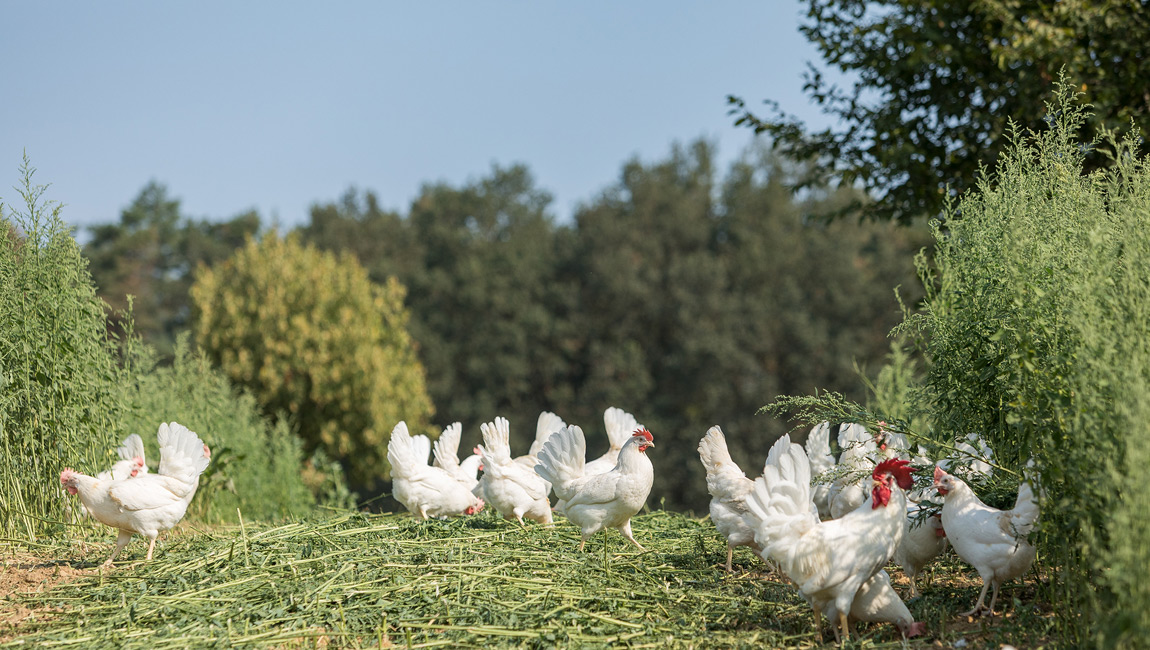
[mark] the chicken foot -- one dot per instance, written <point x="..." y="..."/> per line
<point x="981" y="598"/>
<point x="626" y="530"/>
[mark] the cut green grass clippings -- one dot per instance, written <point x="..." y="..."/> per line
<point x="370" y="581"/>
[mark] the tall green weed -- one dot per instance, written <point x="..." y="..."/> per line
<point x="58" y="404"/>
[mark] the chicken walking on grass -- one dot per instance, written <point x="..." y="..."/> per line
<point x="512" y="489"/>
<point x="599" y="501"/>
<point x="828" y="561"/>
<point x="424" y="490"/>
<point x="729" y="488"/>
<point x="145" y="504"/>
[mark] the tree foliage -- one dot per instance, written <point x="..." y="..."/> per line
<point x="933" y="84"/>
<point x="311" y="336"/>
<point x="682" y="297"/>
<point x="151" y="254"/>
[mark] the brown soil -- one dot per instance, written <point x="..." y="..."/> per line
<point x="21" y="574"/>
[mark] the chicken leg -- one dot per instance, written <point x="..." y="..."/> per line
<point x="151" y="547"/>
<point x="121" y="541"/>
<point x="846" y="626"/>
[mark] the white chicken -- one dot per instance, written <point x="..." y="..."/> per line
<point x="146" y="504"/>
<point x="878" y="602"/>
<point x="424" y="490"/>
<point x="993" y="541"/>
<point x="598" y="501"/>
<point x="828" y="561"/>
<point x="819" y="454"/>
<point x="512" y="489"/>
<point x="619" y="425"/>
<point x="446" y="453"/>
<point x="728" y="487"/>
<point x="130" y="465"/>
<point x="924" y="540"/>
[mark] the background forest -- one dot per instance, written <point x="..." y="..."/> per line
<point x="687" y="295"/>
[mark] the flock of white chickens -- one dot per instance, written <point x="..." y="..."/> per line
<point x="831" y="530"/>
<point x="829" y="525"/>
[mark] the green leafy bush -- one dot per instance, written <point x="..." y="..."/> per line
<point x="255" y="465"/>
<point x="311" y="336"/>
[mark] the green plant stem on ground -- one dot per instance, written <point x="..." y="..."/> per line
<point x="356" y="580"/>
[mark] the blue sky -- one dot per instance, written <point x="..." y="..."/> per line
<point x="275" y="106"/>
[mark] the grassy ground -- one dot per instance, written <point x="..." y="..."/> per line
<point x="370" y="581"/>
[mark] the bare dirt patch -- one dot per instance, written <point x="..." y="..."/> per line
<point x="22" y="574"/>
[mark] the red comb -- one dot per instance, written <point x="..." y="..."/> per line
<point x="644" y="433"/>
<point x="898" y="468"/>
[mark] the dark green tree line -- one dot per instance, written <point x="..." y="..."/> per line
<point x="682" y="298"/>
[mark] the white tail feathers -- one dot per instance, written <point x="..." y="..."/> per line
<point x="819" y="448"/>
<point x="183" y="455"/>
<point x="620" y="426"/>
<point x="713" y="449"/>
<point x="132" y="447"/>
<point x="561" y="459"/>
<point x="1025" y="513"/>
<point x="782" y="501"/>
<point x="547" y="424"/>
<point x="401" y="452"/>
<point x="446" y="447"/>
<point x="421" y="447"/>
<point x="496" y="441"/>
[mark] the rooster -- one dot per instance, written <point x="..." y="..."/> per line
<point x="424" y="490"/>
<point x="878" y="602"/>
<point x="512" y="489"/>
<point x="828" y="561"/>
<point x="728" y="487"/>
<point x="993" y="541"/>
<point x="145" y="504"/>
<point x="598" y="501"/>
<point x="446" y="453"/>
